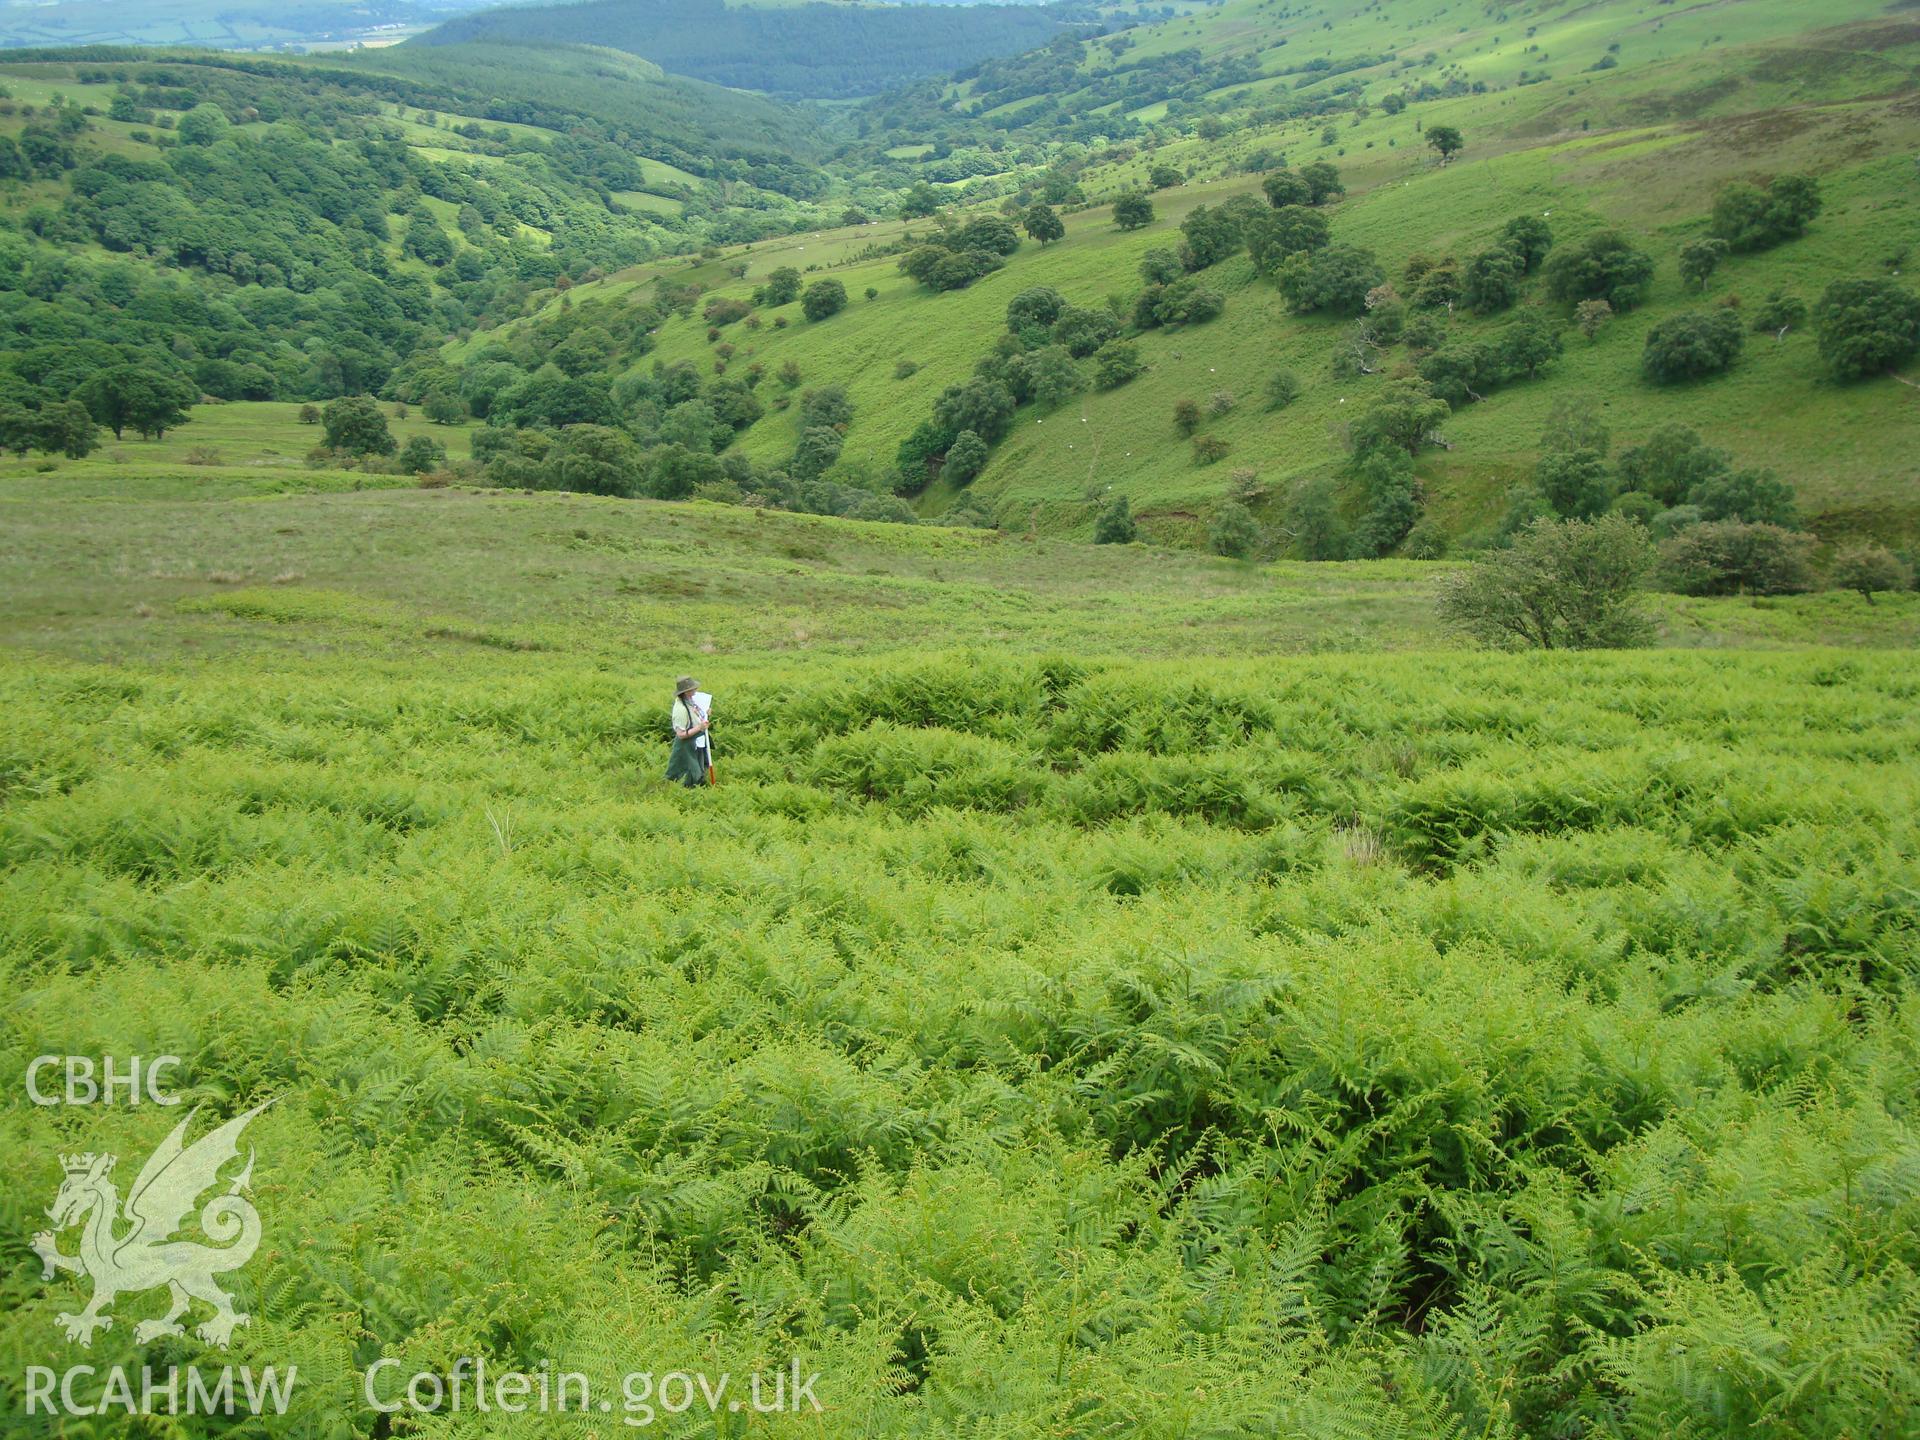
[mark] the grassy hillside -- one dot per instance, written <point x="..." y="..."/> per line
<point x="1183" y="1040"/>
<point x="1642" y="146"/>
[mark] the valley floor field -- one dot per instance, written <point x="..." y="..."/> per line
<point x="1071" y="1014"/>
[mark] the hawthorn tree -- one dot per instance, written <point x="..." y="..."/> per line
<point x="357" y="426"/>
<point x="1867" y="327"/>
<point x="1564" y="585"/>
<point x="1133" y="210"/>
<point x="1447" y="140"/>
<point x="823" y="298"/>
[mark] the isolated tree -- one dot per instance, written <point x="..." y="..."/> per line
<point x="1699" y="259"/>
<point x="1233" y="532"/>
<point x="355" y="425"/>
<point x="1564" y="585"/>
<point x="823" y="298"/>
<point x="133" y="397"/>
<point x="1042" y="223"/>
<point x="1164" y="177"/>
<point x="1867" y="327"/>
<point x="309" y="415"/>
<point x="1133" y="210"/>
<point x="1447" y="140"/>
<point x="1693" y="345"/>
<point x="423" y="453"/>
<point x="1869" y="568"/>
<point x="966" y="458"/>
<point x="1186" y="416"/>
<point x="1283" y="388"/>
<point x="1589" y="316"/>
<point x="1604" y="266"/>
<point x="1115" y="523"/>
<point x="1747" y="217"/>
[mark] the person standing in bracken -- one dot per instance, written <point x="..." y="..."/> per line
<point x="688" y="762"/>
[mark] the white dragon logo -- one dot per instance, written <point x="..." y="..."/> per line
<point x="146" y="1257"/>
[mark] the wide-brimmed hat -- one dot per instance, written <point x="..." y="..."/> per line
<point x="684" y="684"/>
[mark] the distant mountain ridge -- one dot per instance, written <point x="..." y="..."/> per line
<point x="811" y="51"/>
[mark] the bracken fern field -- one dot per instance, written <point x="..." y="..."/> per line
<point x="1435" y="1045"/>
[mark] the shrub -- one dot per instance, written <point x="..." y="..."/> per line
<point x="1115" y="523"/>
<point x="1283" y="389"/>
<point x="1563" y="585"/>
<point x="905" y="369"/>
<point x="1209" y="449"/>
<point x="1186" y="416"/>
<point x="1233" y="531"/>
<point x="1780" y="312"/>
<point x="1867" y="568"/>
<point x="1731" y="557"/>
<point x="309" y="414"/>
<point x="1220" y="403"/>
<point x="1115" y="363"/>
<point x="1692" y="346"/>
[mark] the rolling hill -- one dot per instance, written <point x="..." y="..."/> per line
<point x="810" y="50"/>
<point x="1623" y="116"/>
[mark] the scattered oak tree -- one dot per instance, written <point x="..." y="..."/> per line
<point x="1564" y="585"/>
